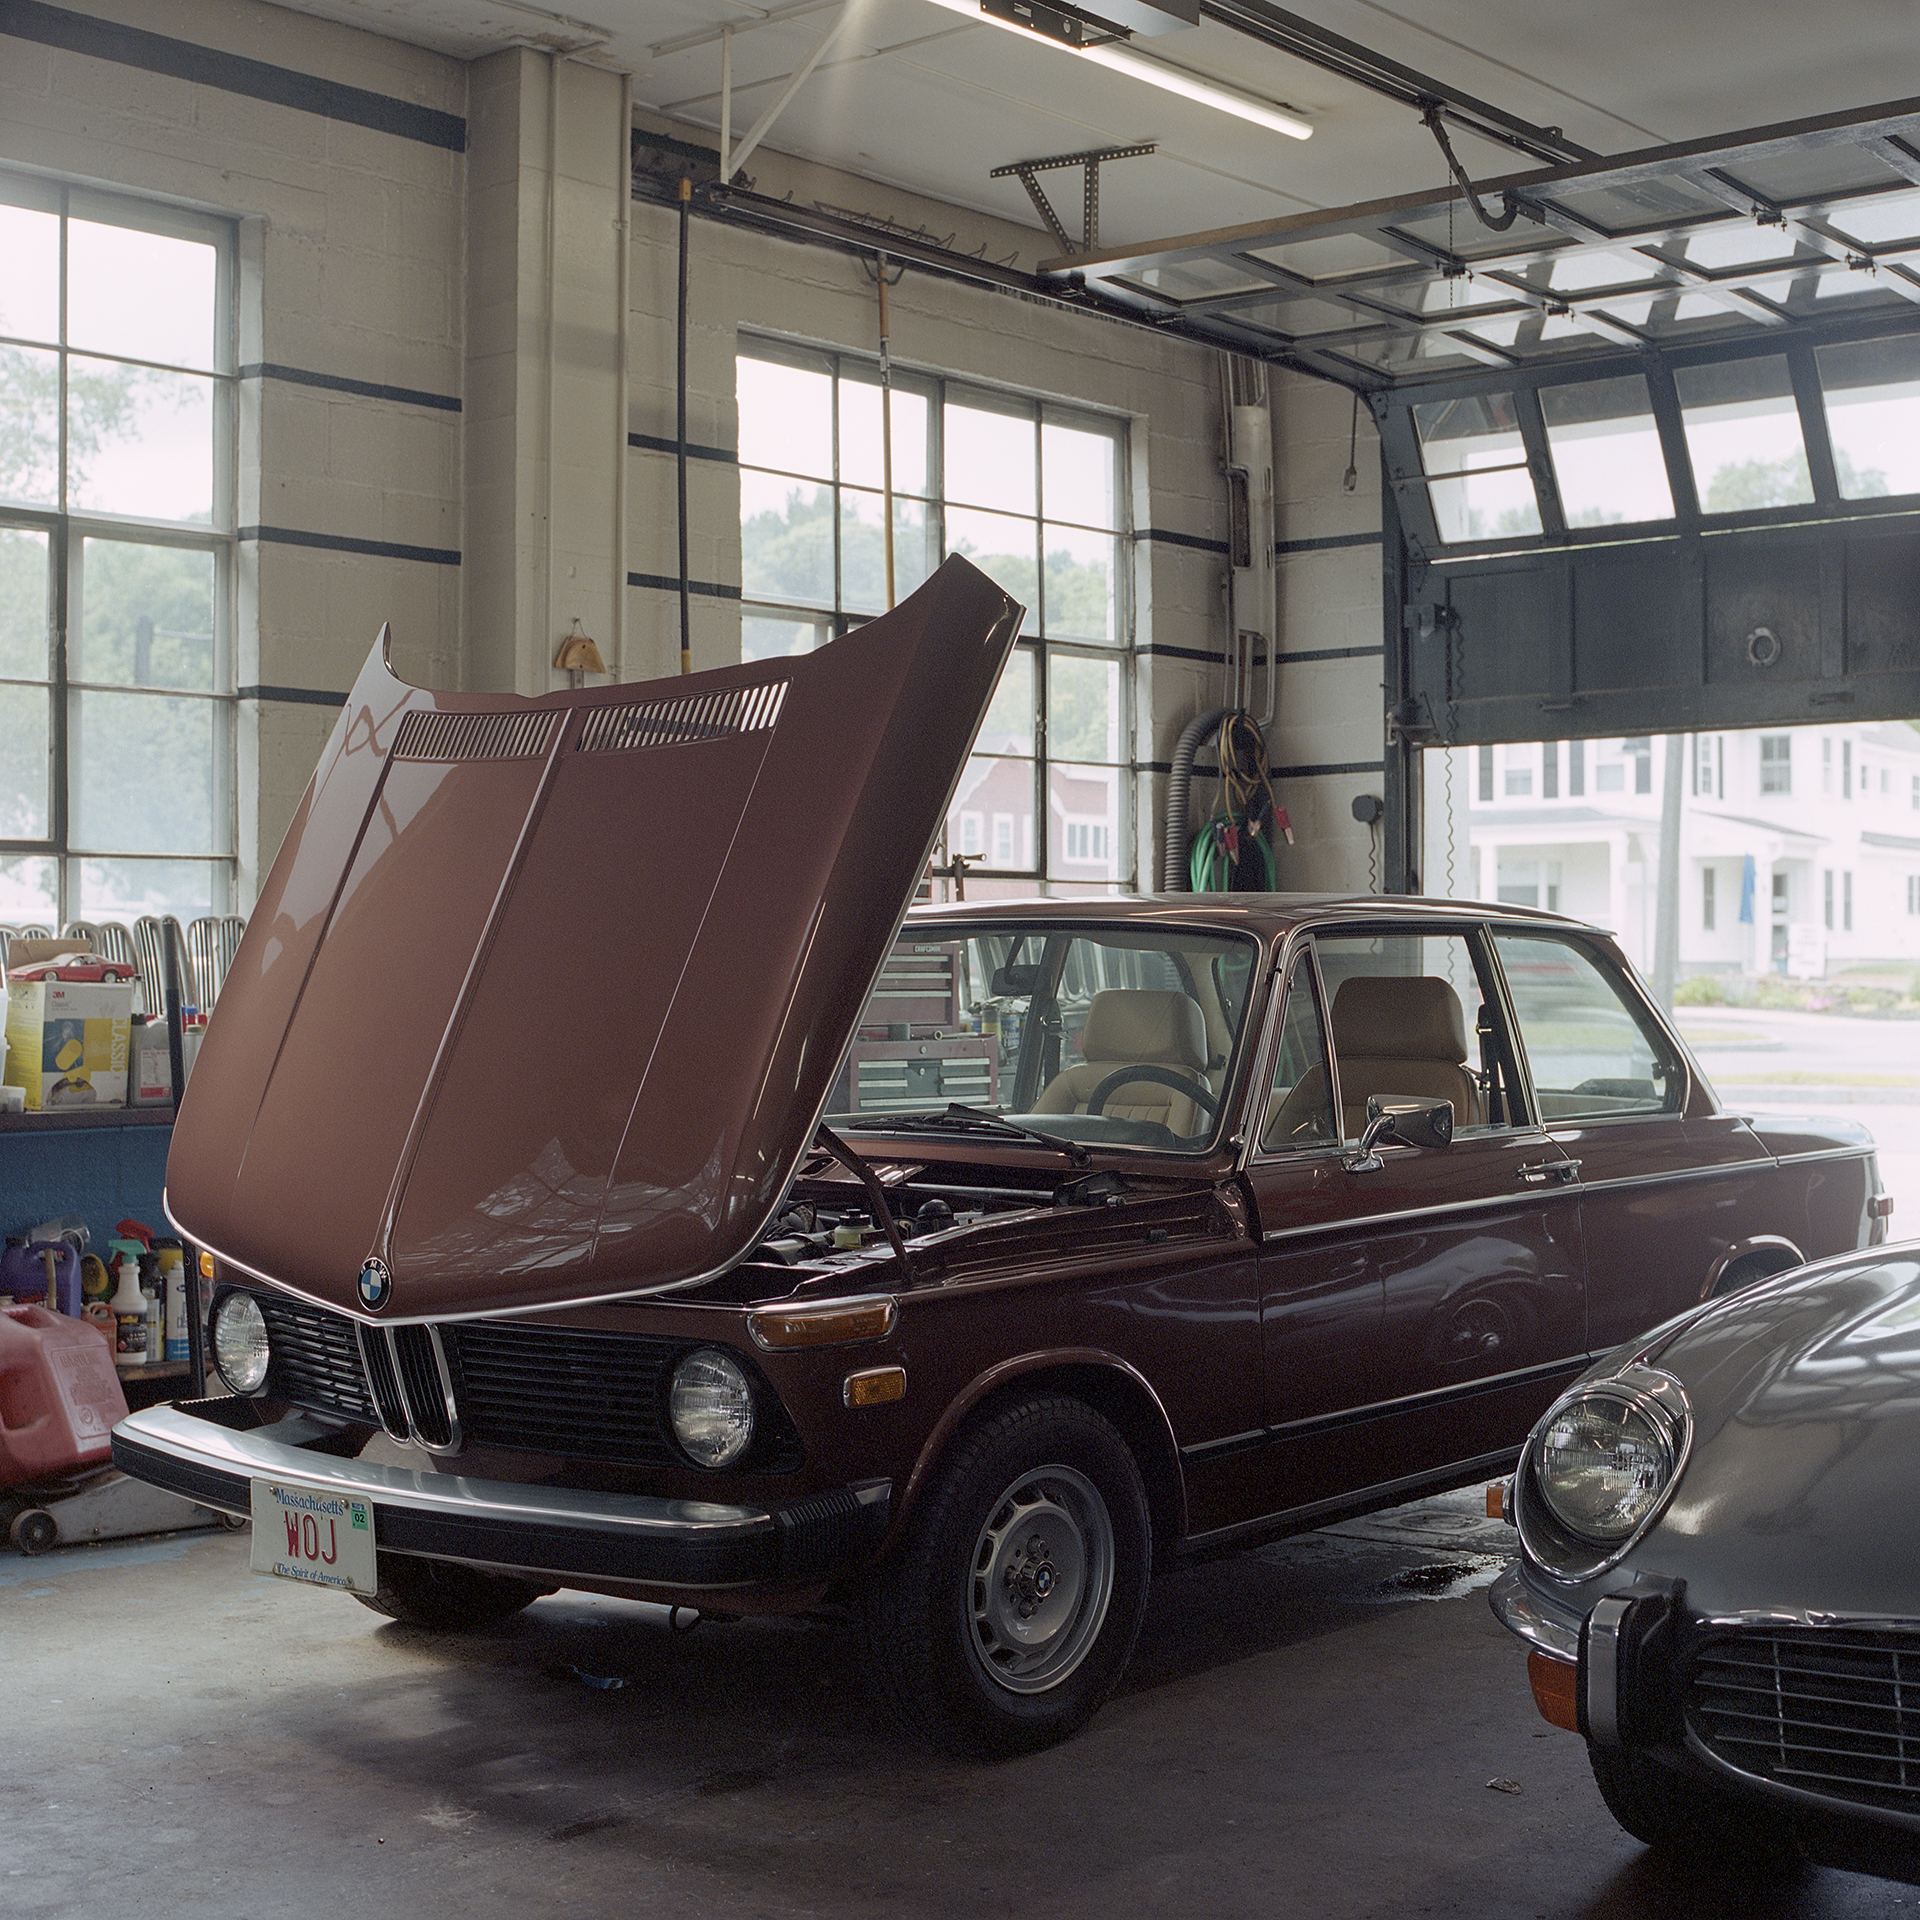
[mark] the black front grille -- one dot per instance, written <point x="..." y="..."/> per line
<point x="1833" y="1710"/>
<point x="553" y="1390"/>
<point x="595" y="1396"/>
<point x="315" y="1359"/>
<point x="420" y="1378"/>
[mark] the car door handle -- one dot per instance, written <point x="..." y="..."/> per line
<point x="1545" y="1173"/>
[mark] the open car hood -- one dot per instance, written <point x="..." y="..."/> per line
<point x="543" y="996"/>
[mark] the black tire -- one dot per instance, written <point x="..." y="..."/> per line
<point x="1006" y="1613"/>
<point x="1692" y="1822"/>
<point x="445" y="1597"/>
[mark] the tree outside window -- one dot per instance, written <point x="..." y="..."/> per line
<point x="1035" y="496"/>
<point x="116" y="535"/>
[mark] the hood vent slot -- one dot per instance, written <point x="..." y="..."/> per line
<point x="675" y="723"/>
<point x="427" y="735"/>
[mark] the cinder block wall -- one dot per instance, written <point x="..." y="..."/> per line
<point x="393" y="460"/>
<point x="1333" y="658"/>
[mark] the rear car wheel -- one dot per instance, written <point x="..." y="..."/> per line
<point x="440" y="1595"/>
<point x="1691" y="1821"/>
<point x="1006" y="1614"/>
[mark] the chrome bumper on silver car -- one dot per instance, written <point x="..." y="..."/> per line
<point x="1539" y="1621"/>
<point x="199" y="1449"/>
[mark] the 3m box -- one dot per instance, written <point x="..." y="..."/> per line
<point x="67" y="1042"/>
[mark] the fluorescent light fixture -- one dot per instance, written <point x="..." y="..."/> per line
<point x="1121" y="58"/>
<point x="1118" y="57"/>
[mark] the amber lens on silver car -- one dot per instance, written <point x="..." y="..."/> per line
<point x="240" y="1342"/>
<point x="1602" y="1462"/>
<point x="711" y="1407"/>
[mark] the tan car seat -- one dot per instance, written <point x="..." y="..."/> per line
<point x="1137" y="1026"/>
<point x="1401" y="1033"/>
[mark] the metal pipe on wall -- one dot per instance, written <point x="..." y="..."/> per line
<point x="553" y="221"/>
<point x="623" y="326"/>
<point x="886" y="432"/>
<point x="680" y="434"/>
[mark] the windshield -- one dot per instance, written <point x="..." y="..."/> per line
<point x="1106" y="1035"/>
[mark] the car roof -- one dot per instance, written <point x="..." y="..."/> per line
<point x="1265" y="914"/>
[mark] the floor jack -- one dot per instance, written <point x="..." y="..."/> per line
<point x="100" y="1503"/>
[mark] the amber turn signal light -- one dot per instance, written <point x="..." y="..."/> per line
<point x="1555" y="1689"/>
<point x="875" y="1387"/>
<point x="830" y="1323"/>
<point x="1497" y="1499"/>
<point x="206" y="1264"/>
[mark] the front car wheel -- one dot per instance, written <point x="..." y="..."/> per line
<point x="1690" y="1821"/>
<point x="444" y="1596"/>
<point x="1004" y="1617"/>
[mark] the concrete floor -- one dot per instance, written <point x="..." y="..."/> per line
<point x="1303" y="1731"/>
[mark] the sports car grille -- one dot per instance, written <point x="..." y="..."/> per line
<point x="1833" y="1710"/>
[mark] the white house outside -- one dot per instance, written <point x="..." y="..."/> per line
<point x="1799" y="848"/>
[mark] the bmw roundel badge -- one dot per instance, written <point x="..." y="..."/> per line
<point x="376" y="1285"/>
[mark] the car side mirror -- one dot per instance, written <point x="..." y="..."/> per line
<point x="1400" y="1120"/>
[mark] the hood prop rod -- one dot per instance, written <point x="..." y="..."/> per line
<point x="882" y="1207"/>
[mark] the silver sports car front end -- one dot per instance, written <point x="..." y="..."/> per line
<point x="1716" y="1581"/>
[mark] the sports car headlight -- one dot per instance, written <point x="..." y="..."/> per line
<point x="1604" y="1459"/>
<point x="711" y="1406"/>
<point x="240" y="1342"/>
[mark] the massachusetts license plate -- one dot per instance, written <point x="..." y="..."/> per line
<point x="314" y="1534"/>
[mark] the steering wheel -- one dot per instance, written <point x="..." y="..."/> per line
<point x="1160" y="1076"/>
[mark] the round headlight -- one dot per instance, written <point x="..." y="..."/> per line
<point x="1603" y="1461"/>
<point x="711" y="1407"/>
<point x="240" y="1342"/>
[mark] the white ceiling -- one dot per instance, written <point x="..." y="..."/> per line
<point x="915" y="96"/>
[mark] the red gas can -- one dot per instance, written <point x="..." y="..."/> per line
<point x="59" y="1395"/>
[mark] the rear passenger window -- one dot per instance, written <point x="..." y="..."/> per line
<point x="1593" y="1050"/>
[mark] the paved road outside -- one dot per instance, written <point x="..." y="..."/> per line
<point x="1851" y="1066"/>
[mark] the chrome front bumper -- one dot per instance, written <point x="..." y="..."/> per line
<point x="1539" y="1621"/>
<point x="554" y="1533"/>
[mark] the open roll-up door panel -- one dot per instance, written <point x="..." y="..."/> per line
<point x="1765" y="626"/>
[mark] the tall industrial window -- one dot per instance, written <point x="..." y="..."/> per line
<point x="116" y="538"/>
<point x="1033" y="494"/>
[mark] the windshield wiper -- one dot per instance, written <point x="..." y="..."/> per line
<point x="958" y="1118"/>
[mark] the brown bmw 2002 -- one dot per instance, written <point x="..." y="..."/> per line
<point x="601" y="1188"/>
